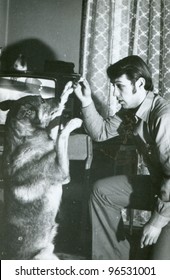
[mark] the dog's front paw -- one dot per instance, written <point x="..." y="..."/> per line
<point x="71" y="125"/>
<point x="74" y="124"/>
<point x="66" y="92"/>
<point x="77" y="122"/>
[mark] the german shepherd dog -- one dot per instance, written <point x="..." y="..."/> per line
<point x="36" y="165"/>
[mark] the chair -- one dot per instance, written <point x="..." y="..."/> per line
<point x="130" y="160"/>
<point x="80" y="148"/>
<point x="137" y="166"/>
<point x="1" y="152"/>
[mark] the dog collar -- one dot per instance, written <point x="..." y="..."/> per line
<point x="54" y="122"/>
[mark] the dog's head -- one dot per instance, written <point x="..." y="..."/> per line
<point x="33" y="110"/>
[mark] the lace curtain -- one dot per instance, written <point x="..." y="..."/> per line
<point x="113" y="29"/>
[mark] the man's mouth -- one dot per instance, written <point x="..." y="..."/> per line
<point x="121" y="102"/>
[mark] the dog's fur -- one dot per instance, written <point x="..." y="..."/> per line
<point x="35" y="167"/>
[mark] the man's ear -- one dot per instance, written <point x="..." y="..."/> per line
<point x="6" y="105"/>
<point x="140" y="82"/>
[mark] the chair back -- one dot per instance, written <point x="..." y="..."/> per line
<point x="80" y="148"/>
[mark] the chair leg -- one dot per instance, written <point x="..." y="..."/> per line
<point x="131" y="216"/>
<point x="85" y="213"/>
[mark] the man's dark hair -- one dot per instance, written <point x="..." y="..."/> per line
<point x="134" y="68"/>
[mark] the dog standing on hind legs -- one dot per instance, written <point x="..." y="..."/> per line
<point x="35" y="166"/>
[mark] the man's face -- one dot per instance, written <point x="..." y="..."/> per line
<point x="128" y="95"/>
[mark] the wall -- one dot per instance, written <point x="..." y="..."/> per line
<point x="45" y="30"/>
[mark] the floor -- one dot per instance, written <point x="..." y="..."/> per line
<point x="69" y="239"/>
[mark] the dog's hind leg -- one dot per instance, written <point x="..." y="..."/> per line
<point x="62" y="147"/>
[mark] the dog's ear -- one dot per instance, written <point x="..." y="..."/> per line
<point x="6" y="105"/>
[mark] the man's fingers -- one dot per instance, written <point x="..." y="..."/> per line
<point x="86" y="84"/>
<point x="142" y="242"/>
<point x="145" y="241"/>
<point x="155" y="240"/>
<point x="150" y="241"/>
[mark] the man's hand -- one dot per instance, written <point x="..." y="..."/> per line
<point x="150" y="235"/>
<point x="83" y="92"/>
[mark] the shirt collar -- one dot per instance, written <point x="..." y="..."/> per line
<point x="144" y="109"/>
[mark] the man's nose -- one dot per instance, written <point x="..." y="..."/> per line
<point x="116" y="91"/>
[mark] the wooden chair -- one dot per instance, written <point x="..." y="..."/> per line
<point x="130" y="161"/>
<point x="136" y="164"/>
<point x="1" y="151"/>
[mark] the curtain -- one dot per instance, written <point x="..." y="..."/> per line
<point x="113" y="29"/>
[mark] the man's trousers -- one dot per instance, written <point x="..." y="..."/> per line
<point x="109" y="197"/>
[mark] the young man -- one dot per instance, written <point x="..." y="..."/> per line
<point x="133" y="89"/>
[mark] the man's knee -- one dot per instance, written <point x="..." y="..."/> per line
<point x="98" y="188"/>
<point x="113" y="190"/>
<point x="110" y="185"/>
<point x="104" y="189"/>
